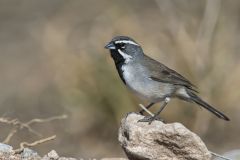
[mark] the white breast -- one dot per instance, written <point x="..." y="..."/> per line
<point x="137" y="80"/>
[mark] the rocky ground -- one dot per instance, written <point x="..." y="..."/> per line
<point x="139" y="140"/>
<point x="7" y="153"/>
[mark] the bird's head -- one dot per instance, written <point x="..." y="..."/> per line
<point x="124" y="49"/>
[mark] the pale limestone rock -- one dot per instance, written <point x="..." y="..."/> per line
<point x="159" y="141"/>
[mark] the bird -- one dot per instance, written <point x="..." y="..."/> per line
<point x="152" y="80"/>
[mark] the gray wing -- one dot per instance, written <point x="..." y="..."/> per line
<point x="161" y="73"/>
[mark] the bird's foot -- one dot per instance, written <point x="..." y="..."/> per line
<point x="141" y="112"/>
<point x="150" y="119"/>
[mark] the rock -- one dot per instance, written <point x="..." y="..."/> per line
<point x="28" y="153"/>
<point x="159" y="141"/>
<point x="113" y="159"/>
<point x="64" y="158"/>
<point x="52" y="155"/>
<point x="6" y="151"/>
<point x="5" y="148"/>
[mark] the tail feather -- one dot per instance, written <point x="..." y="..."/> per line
<point x="205" y="105"/>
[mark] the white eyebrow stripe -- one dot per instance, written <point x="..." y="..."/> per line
<point x="125" y="56"/>
<point x="127" y="41"/>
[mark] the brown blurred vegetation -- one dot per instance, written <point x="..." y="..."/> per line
<point x="52" y="62"/>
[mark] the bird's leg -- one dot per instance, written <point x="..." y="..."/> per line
<point x="147" y="107"/>
<point x="150" y="119"/>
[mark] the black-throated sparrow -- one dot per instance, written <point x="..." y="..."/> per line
<point x="151" y="79"/>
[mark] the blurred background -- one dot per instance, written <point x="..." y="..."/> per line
<point x="52" y="62"/>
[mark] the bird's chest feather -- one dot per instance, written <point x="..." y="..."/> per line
<point x="137" y="79"/>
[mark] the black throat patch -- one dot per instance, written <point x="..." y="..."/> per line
<point x="119" y="62"/>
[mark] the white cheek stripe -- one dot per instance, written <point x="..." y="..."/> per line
<point x="127" y="41"/>
<point x="125" y="56"/>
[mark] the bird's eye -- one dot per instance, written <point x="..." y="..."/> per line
<point x="122" y="45"/>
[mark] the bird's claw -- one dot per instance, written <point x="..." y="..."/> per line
<point x="141" y="112"/>
<point x="150" y="119"/>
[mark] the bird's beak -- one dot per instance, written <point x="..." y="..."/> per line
<point x="110" y="45"/>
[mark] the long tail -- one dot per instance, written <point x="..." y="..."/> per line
<point x="202" y="103"/>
